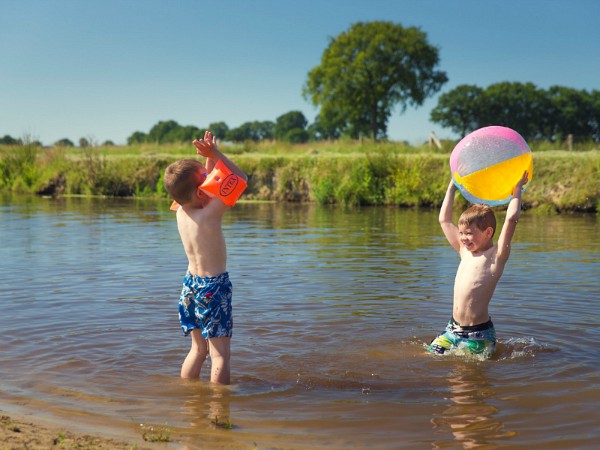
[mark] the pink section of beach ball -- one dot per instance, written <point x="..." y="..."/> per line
<point x="489" y="145"/>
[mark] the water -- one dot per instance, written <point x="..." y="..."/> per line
<point x="332" y="309"/>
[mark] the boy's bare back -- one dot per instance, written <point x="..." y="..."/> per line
<point x="199" y="218"/>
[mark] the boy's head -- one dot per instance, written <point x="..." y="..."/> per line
<point x="182" y="179"/>
<point x="480" y="216"/>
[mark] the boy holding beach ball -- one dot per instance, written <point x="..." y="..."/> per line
<point x="481" y="265"/>
<point x="205" y="309"/>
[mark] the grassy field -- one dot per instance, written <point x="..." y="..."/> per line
<point x="348" y="173"/>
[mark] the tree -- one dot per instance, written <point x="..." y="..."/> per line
<point x="219" y="129"/>
<point x="326" y="126"/>
<point x="185" y="134"/>
<point x="520" y="106"/>
<point x="572" y="112"/>
<point x="595" y="119"/>
<point x="159" y="133"/>
<point x="9" y="140"/>
<point x="297" y="136"/>
<point x="64" y="143"/>
<point x="288" y="122"/>
<point x="263" y="129"/>
<point x="368" y="70"/>
<point x="239" y="134"/>
<point x="137" y="137"/>
<point x="459" y="109"/>
<point x="252" y="131"/>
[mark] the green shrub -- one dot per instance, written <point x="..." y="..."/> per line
<point x="341" y="172"/>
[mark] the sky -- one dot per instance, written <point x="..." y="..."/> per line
<point x="104" y="69"/>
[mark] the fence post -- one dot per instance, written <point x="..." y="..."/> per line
<point x="433" y="139"/>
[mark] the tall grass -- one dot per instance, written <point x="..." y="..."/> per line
<point x="349" y="173"/>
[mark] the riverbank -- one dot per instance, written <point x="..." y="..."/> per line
<point x="27" y="432"/>
<point x="350" y="174"/>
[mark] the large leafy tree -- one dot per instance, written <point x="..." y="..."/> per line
<point x="368" y="70"/>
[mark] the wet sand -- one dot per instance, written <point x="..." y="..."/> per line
<point x="18" y="432"/>
<point x="27" y="432"/>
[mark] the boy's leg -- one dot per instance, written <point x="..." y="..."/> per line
<point x="193" y="361"/>
<point x="219" y="355"/>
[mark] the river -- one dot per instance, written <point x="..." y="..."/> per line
<point x="332" y="310"/>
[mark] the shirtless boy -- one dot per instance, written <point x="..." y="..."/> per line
<point x="205" y="309"/>
<point x="481" y="265"/>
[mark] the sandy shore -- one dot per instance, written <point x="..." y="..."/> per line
<point x="25" y="432"/>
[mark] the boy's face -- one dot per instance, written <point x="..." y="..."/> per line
<point x="474" y="239"/>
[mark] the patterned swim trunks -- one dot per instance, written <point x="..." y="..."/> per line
<point x="477" y="339"/>
<point x="205" y="303"/>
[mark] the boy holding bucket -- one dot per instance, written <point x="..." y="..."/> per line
<point x="205" y="309"/>
<point x="481" y="265"/>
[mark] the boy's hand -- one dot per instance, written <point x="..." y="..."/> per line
<point x="207" y="147"/>
<point x="522" y="182"/>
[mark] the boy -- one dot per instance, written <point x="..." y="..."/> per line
<point x="481" y="265"/>
<point x="205" y="302"/>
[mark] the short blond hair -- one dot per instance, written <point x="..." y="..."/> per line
<point x="482" y="216"/>
<point x="182" y="179"/>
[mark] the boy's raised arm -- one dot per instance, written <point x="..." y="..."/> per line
<point x="448" y="227"/>
<point x="208" y="147"/>
<point x="513" y="212"/>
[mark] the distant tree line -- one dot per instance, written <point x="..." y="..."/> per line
<point x="289" y="127"/>
<point x="9" y="140"/>
<point x="541" y="114"/>
<point x="537" y="114"/>
<point x="83" y="142"/>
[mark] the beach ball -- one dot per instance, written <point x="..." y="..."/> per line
<point x="487" y="164"/>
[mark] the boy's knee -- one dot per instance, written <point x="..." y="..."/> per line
<point x="199" y="351"/>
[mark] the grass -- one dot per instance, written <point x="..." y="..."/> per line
<point x="224" y="424"/>
<point x="350" y="173"/>
<point x="156" y="434"/>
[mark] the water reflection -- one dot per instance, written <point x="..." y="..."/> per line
<point x="206" y="405"/>
<point x="471" y="416"/>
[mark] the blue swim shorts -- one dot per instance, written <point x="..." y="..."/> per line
<point x="477" y="339"/>
<point x="205" y="303"/>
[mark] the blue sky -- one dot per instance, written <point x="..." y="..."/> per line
<point x="103" y="69"/>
